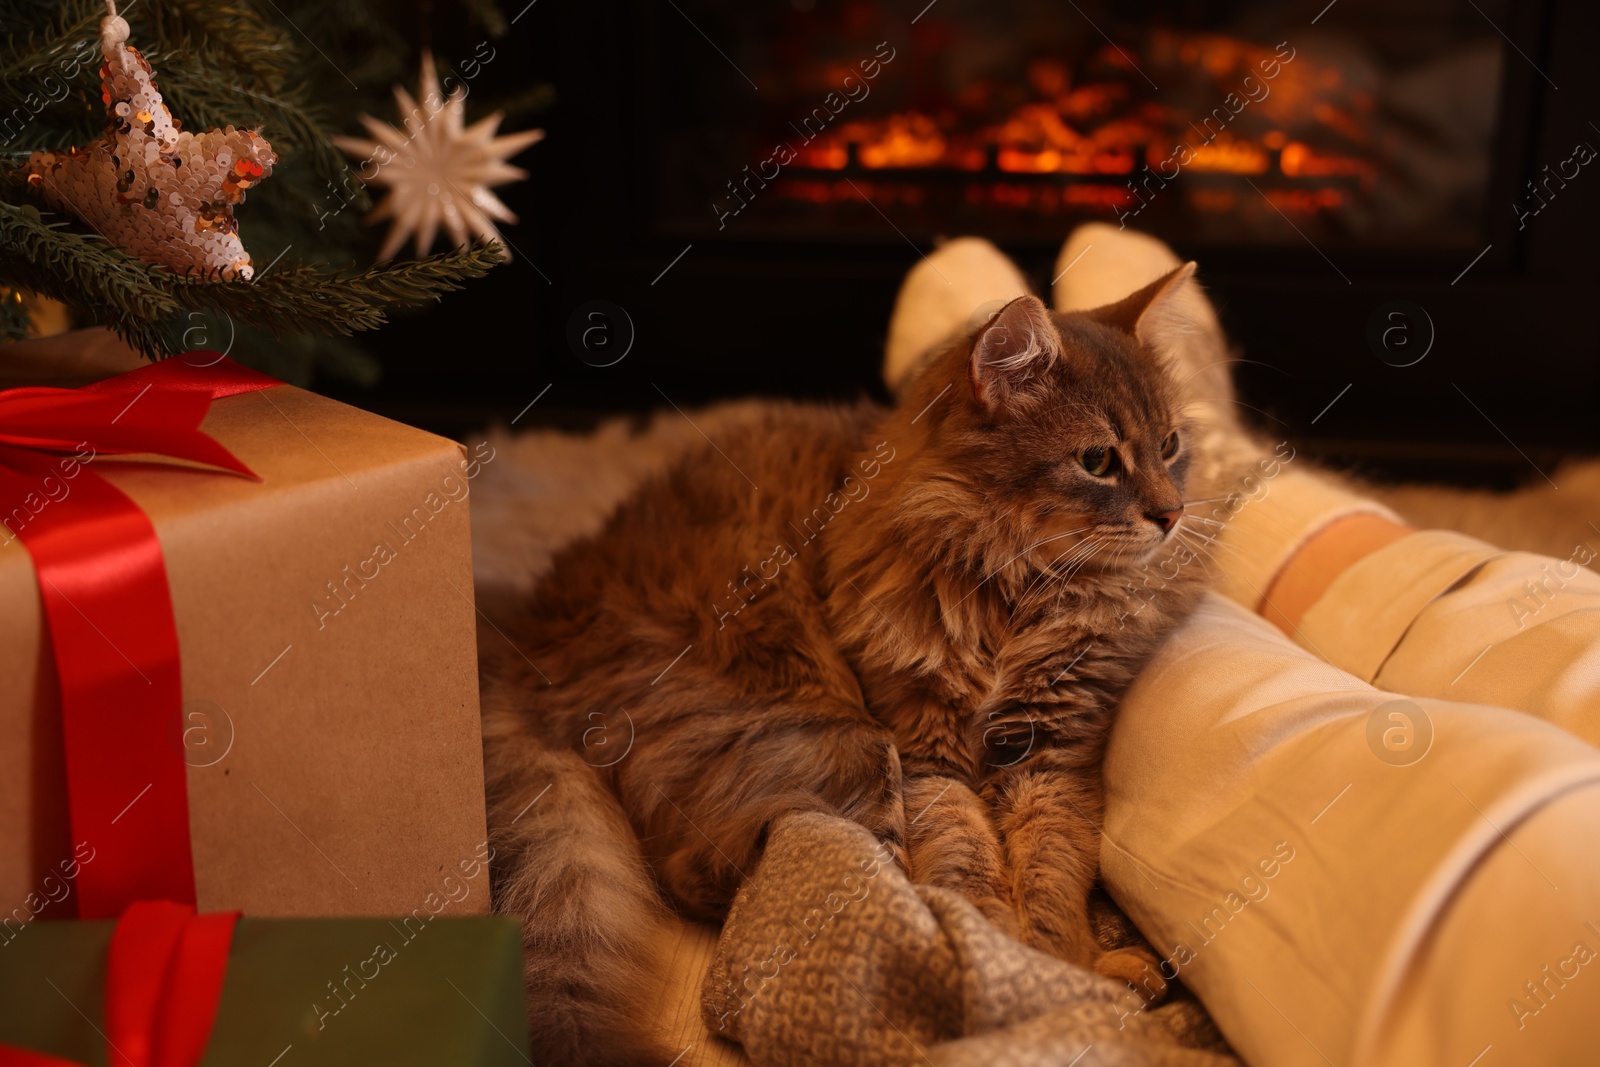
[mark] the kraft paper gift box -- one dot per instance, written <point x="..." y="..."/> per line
<point x="326" y="629"/>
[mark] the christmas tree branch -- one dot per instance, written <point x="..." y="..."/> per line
<point x="206" y="100"/>
<point x="238" y="37"/>
<point x="84" y="273"/>
<point x="303" y="298"/>
<point x="76" y="269"/>
<point x="64" y="48"/>
<point x="146" y="304"/>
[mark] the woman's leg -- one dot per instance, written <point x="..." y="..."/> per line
<point x="1333" y="897"/>
<point x="1511" y="973"/>
<point x="1442" y="615"/>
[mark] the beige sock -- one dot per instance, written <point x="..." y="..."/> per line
<point x="1277" y="510"/>
<point x="940" y="297"/>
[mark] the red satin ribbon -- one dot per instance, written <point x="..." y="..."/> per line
<point x="164" y="974"/>
<point x="103" y="585"/>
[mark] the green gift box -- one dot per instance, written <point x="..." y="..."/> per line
<point x="297" y="993"/>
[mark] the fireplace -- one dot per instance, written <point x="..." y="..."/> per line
<point x="1026" y="116"/>
<point x="731" y="191"/>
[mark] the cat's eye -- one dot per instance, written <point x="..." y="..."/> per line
<point x="1100" y="462"/>
<point x="1169" y="446"/>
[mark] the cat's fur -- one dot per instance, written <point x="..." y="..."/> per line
<point x="919" y="619"/>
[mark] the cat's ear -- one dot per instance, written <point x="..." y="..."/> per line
<point x="1016" y="346"/>
<point x="1159" y="314"/>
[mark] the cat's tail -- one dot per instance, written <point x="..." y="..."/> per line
<point x="567" y="864"/>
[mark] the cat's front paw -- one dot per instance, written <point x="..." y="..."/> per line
<point x="989" y="896"/>
<point x="1139" y="968"/>
<point x="952" y="843"/>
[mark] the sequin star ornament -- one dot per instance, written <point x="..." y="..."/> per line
<point x="158" y="193"/>
<point x="437" y="168"/>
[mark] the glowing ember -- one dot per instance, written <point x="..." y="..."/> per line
<point x="1229" y="156"/>
<point x="1096" y="139"/>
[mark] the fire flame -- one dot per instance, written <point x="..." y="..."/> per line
<point x="1104" y="129"/>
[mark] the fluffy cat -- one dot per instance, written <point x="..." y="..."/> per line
<point x="918" y="618"/>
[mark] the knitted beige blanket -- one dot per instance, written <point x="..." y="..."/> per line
<point x="830" y="956"/>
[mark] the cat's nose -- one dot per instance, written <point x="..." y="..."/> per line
<point x="1165" y="519"/>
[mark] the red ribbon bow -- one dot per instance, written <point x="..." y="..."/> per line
<point x="103" y="585"/>
<point x="164" y="975"/>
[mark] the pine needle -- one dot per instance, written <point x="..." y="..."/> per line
<point x="218" y="63"/>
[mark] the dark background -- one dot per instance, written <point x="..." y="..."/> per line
<point x="1511" y="379"/>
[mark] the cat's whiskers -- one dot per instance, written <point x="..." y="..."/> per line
<point x="1118" y="557"/>
<point x="1203" y="544"/>
<point x="1077" y="562"/>
<point x="1078" y="565"/>
<point x="1206" y="565"/>
<point x="1090" y="547"/>
<point x="1268" y="518"/>
<point x="1200" y="536"/>
<point x="1196" y="540"/>
<point x="1036" y="545"/>
<point x="1216" y="530"/>
<point x="1111" y="567"/>
<point x="1042" y="576"/>
<point x="1048" y="570"/>
<point x="1085" y="549"/>
<point x="1202" y="524"/>
<point x="1039" y="544"/>
<point x="1201" y="533"/>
